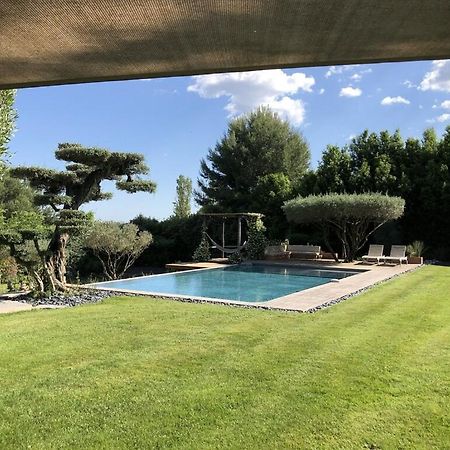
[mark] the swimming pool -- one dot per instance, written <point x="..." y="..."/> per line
<point x="245" y="282"/>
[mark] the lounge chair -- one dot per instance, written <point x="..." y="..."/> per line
<point x="398" y="255"/>
<point x="375" y="254"/>
<point x="276" y="252"/>
<point x="305" y="251"/>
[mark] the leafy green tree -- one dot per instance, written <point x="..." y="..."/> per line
<point x="353" y="217"/>
<point x="117" y="246"/>
<point x="15" y="195"/>
<point x="182" y="205"/>
<point x="23" y="233"/>
<point x="234" y="175"/>
<point x="8" y="117"/>
<point x="66" y="191"/>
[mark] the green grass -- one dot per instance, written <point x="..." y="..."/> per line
<point x="371" y="372"/>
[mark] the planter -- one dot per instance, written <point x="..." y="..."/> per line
<point x="415" y="260"/>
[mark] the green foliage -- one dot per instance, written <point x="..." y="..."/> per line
<point x="117" y="246"/>
<point x="66" y="191"/>
<point x="416" y="170"/>
<point x="202" y="252"/>
<point x="174" y="239"/>
<point x="353" y="217"/>
<point x="259" y="155"/>
<point x="8" y="117"/>
<point x="235" y="258"/>
<point x="417" y="248"/>
<point x="182" y="205"/>
<point x="15" y="195"/>
<point x="257" y="241"/>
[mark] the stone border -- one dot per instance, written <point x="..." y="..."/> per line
<point x="360" y="291"/>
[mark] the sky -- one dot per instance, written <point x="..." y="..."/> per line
<point x="174" y="121"/>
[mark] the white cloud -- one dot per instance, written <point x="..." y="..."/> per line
<point x="356" y="77"/>
<point x="409" y="84"/>
<point x="350" y="137"/>
<point x="337" y="70"/>
<point x="394" y="100"/>
<point x="443" y="117"/>
<point x="248" y="90"/>
<point x="321" y="91"/>
<point x="438" y="79"/>
<point x="350" y="91"/>
<point x="445" y="104"/>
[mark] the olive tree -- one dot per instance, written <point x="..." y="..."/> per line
<point x="353" y="217"/>
<point x="117" y="246"/>
<point x="66" y="191"/>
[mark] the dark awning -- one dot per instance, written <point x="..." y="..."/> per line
<point x="65" y="41"/>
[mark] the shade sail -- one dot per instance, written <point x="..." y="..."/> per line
<point x="46" y="42"/>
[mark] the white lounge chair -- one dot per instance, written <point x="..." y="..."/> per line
<point x="375" y="254"/>
<point x="398" y="255"/>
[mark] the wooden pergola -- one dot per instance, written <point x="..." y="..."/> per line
<point x="233" y="215"/>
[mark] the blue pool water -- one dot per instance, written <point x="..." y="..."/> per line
<point x="249" y="283"/>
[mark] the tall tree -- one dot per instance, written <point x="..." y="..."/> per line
<point x="352" y="217"/>
<point x="182" y="204"/>
<point x="66" y="191"/>
<point x="234" y="175"/>
<point x="8" y="116"/>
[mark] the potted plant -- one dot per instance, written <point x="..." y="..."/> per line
<point x="415" y="252"/>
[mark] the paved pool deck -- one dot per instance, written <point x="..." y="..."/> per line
<point x="329" y="293"/>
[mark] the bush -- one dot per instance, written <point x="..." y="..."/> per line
<point x="417" y="248"/>
<point x="257" y="241"/>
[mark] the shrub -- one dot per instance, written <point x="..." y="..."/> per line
<point x="417" y="248"/>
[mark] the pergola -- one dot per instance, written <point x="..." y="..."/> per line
<point x="45" y="42"/>
<point x="223" y="216"/>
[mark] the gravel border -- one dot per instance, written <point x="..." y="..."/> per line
<point x="88" y="295"/>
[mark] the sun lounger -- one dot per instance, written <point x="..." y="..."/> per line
<point x="305" y="251"/>
<point x="375" y="254"/>
<point x="397" y="255"/>
<point x="276" y="252"/>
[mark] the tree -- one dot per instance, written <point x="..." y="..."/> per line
<point x="353" y="217"/>
<point x="23" y="232"/>
<point x="233" y="177"/>
<point x="117" y="246"/>
<point x="8" y="117"/>
<point x="66" y="191"/>
<point x="182" y="205"/>
<point x="15" y="195"/>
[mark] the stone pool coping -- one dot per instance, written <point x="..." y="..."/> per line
<point x="308" y="300"/>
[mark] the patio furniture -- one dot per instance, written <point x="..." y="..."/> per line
<point x="276" y="252"/>
<point x="305" y="251"/>
<point x="397" y="255"/>
<point x="375" y="254"/>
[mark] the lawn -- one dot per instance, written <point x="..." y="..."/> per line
<point x="371" y="372"/>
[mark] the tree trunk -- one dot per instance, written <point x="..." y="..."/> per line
<point x="55" y="262"/>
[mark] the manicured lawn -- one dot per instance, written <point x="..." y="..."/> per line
<point x="372" y="372"/>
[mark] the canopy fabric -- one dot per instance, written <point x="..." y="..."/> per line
<point x="44" y="42"/>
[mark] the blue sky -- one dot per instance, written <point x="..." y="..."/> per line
<point x="173" y="121"/>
